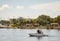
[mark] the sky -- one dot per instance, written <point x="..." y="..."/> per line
<point x="28" y="8"/>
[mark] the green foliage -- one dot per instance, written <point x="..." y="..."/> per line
<point x="4" y="22"/>
<point x="14" y="25"/>
<point x="53" y="20"/>
<point x="58" y="19"/>
<point x="41" y="20"/>
<point x="13" y="21"/>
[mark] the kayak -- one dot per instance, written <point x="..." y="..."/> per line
<point x="37" y="35"/>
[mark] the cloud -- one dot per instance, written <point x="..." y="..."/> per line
<point x="52" y="9"/>
<point x="5" y="6"/>
<point x="54" y="6"/>
<point x="19" y="7"/>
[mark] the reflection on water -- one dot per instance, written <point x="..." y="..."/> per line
<point x="39" y="38"/>
<point x="23" y="35"/>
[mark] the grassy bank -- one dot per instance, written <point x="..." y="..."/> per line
<point x="32" y="27"/>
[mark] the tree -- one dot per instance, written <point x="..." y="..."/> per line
<point x="4" y="22"/>
<point x="43" y="19"/>
<point x="53" y="20"/>
<point x="14" y="22"/>
<point x="22" y="21"/>
<point x="58" y="19"/>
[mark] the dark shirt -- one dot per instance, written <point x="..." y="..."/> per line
<point x="38" y="31"/>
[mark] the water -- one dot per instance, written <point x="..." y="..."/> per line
<point x="22" y="35"/>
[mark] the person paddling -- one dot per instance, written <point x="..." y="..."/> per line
<point x="39" y="31"/>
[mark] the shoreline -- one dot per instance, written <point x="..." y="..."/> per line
<point x="43" y="27"/>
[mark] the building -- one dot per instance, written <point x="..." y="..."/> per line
<point x="54" y="25"/>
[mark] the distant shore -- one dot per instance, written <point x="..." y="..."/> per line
<point x="42" y="22"/>
<point x="40" y="27"/>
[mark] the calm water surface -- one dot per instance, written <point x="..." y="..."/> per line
<point x="23" y="35"/>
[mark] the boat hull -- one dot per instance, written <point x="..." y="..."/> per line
<point x="37" y="35"/>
